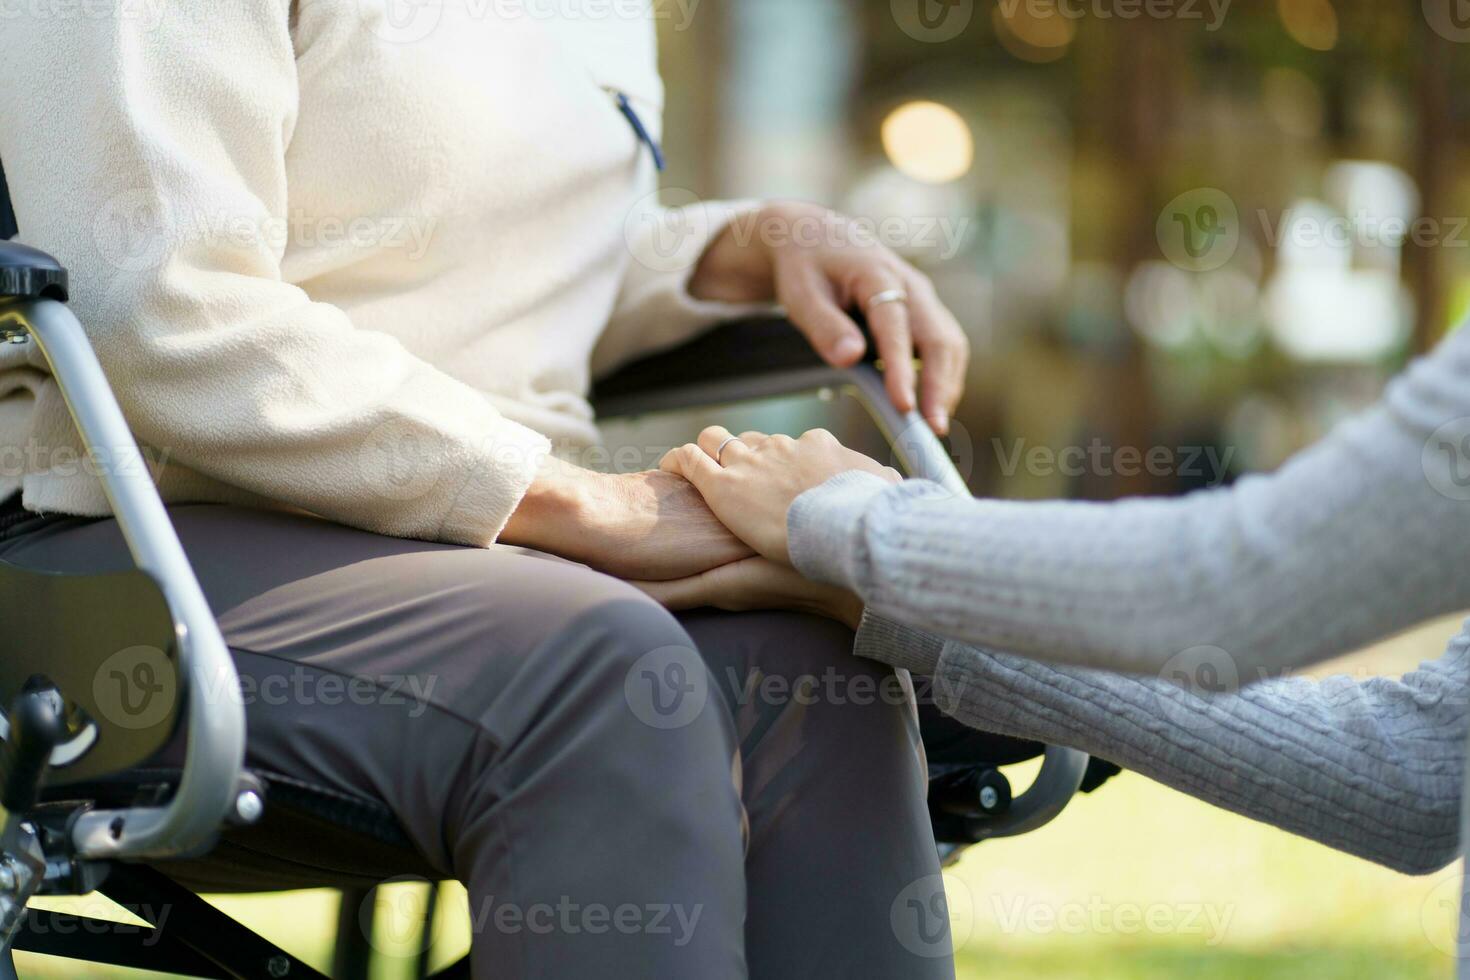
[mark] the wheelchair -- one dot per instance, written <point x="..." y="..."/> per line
<point x="88" y="809"/>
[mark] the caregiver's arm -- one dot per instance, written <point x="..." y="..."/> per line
<point x="1372" y="768"/>
<point x="1358" y="536"/>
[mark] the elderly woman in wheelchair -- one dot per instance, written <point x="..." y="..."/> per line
<point x="349" y="287"/>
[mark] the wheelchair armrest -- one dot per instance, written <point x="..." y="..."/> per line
<point x="31" y="312"/>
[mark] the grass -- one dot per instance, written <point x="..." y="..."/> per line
<point x="1140" y="882"/>
<point x="1135" y="882"/>
<point x="1166" y="964"/>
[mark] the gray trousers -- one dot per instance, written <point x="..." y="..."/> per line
<point x="625" y="793"/>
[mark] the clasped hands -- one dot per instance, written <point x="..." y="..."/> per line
<point x="749" y="482"/>
<point x="708" y="528"/>
<point x="697" y="533"/>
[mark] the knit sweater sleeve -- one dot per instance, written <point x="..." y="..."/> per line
<point x="1361" y="535"/>
<point x="1369" y="767"/>
<point x="157" y="173"/>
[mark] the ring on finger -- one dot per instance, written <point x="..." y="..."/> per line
<point x="887" y="296"/>
<point x="721" y="450"/>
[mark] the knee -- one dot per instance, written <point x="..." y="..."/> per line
<point x="557" y="621"/>
<point x="612" y="689"/>
<point x="611" y="627"/>
<point x="614" y="666"/>
<point x="642" y="660"/>
<point x="607" y="728"/>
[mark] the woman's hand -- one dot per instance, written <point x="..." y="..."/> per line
<point x="751" y="482"/>
<point x="756" y="583"/>
<point x="647" y="526"/>
<point x="819" y="265"/>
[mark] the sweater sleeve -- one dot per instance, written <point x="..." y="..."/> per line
<point x="157" y="173"/>
<point x="1351" y="540"/>
<point x="655" y="310"/>
<point x="1370" y="767"/>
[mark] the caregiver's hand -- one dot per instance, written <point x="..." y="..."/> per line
<point x="750" y="481"/>
<point x="818" y="265"/>
<point x="648" y="526"/>
<point x="757" y="583"/>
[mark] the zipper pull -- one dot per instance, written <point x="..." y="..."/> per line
<point x="625" y="106"/>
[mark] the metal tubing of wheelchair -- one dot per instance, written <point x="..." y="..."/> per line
<point x="921" y="454"/>
<point x="919" y="450"/>
<point x="216" y="714"/>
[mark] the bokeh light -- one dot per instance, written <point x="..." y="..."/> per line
<point x="1159" y="302"/>
<point x="1034" y="31"/>
<point x="929" y="142"/>
<point x="1293" y="101"/>
<point x="1311" y="23"/>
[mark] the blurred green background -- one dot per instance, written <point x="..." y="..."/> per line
<point x="1044" y="161"/>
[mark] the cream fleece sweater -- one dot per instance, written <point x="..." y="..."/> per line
<point x="337" y="262"/>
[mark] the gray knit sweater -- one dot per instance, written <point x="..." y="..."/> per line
<point x="1213" y="598"/>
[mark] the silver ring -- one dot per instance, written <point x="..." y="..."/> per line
<point x="721" y="451"/>
<point x="887" y="296"/>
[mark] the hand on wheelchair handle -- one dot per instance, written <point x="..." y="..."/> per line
<point x="820" y="265"/>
